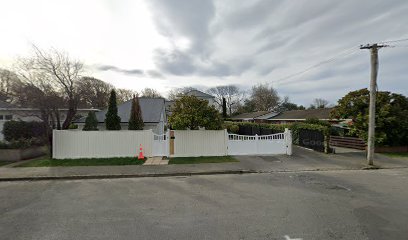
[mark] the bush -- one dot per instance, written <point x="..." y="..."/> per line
<point x="91" y="123"/>
<point x="72" y="126"/>
<point x="231" y="127"/>
<point x="15" y="130"/>
<point x="21" y="143"/>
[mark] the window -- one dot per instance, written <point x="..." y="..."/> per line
<point x="1" y="117"/>
<point x="9" y="117"/>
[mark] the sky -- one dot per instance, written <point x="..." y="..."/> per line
<point x="165" y="44"/>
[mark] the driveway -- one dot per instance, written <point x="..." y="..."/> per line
<point x="308" y="160"/>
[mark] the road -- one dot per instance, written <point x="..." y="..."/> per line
<point x="347" y="204"/>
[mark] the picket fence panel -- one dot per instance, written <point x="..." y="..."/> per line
<point x="101" y="144"/>
<point x="196" y="143"/>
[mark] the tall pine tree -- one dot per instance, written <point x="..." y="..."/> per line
<point x="91" y="123"/>
<point x="136" y="119"/>
<point x="112" y="120"/>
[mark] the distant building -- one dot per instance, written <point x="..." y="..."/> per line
<point x="11" y="112"/>
<point x="259" y="117"/>
<point x="153" y="114"/>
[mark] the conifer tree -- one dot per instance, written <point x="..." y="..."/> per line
<point x="112" y="120"/>
<point x="91" y="123"/>
<point x="136" y="119"/>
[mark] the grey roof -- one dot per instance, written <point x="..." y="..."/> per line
<point x="198" y="94"/>
<point x="4" y="104"/>
<point x="151" y="111"/>
<point x="320" y="113"/>
<point x="250" y="115"/>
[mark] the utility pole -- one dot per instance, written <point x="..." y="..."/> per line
<point x="373" y="90"/>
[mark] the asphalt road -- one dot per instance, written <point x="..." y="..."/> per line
<point x="346" y="204"/>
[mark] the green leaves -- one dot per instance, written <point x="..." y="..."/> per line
<point x="391" y="116"/>
<point x="91" y="123"/>
<point x="135" y="120"/>
<point x="190" y="112"/>
<point x="112" y="120"/>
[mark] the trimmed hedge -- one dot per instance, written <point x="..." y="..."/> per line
<point x="15" y="130"/>
<point x="320" y="126"/>
<point x="21" y="143"/>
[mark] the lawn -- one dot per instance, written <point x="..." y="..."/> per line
<point x="195" y="160"/>
<point x="4" y="163"/>
<point x="397" y="155"/>
<point x="81" y="162"/>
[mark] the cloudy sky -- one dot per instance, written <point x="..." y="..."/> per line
<point x="164" y="44"/>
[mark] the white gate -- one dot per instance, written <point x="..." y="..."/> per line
<point x="161" y="145"/>
<point x="280" y="143"/>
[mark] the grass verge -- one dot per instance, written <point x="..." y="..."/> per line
<point x="397" y="155"/>
<point x="2" y="163"/>
<point x="82" y="162"/>
<point x="195" y="160"/>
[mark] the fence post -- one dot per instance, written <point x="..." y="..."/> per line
<point x="226" y="141"/>
<point x="257" y="143"/>
<point x="288" y="141"/>
<point x="53" y="147"/>
<point x="168" y="143"/>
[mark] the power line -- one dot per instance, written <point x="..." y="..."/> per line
<point x="343" y="54"/>
<point x="393" y="41"/>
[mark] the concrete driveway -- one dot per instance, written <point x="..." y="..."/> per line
<point x="308" y="160"/>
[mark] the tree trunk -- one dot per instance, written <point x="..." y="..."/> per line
<point x="72" y="107"/>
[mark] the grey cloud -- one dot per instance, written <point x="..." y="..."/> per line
<point x="269" y="40"/>
<point x="120" y="70"/>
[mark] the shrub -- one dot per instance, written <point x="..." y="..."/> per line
<point x="112" y="119"/>
<point x="14" y="130"/>
<point x="91" y="123"/>
<point x="21" y="143"/>
<point x="72" y="126"/>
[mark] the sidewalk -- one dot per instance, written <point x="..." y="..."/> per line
<point x="301" y="160"/>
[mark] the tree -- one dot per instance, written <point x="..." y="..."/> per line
<point x="61" y="72"/>
<point x="124" y="95"/>
<point x="94" y="92"/>
<point x="136" y="119"/>
<point x="319" y="103"/>
<point x="286" y="105"/>
<point x="189" y="112"/>
<point x="264" y="98"/>
<point x="8" y="80"/>
<point x="178" y="92"/>
<point x="232" y="94"/>
<point x="391" y="116"/>
<point x="150" y="93"/>
<point x="112" y="120"/>
<point x="91" y="123"/>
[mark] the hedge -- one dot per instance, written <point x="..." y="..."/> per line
<point x="321" y="126"/>
<point x="16" y="130"/>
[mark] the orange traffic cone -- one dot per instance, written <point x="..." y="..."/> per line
<point x="141" y="157"/>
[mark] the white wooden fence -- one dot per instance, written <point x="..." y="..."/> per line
<point x="195" y="143"/>
<point x="280" y="143"/>
<point x="105" y="144"/>
<point x="101" y="144"/>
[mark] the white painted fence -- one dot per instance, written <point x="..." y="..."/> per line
<point x="105" y="144"/>
<point x="101" y="144"/>
<point x="195" y="143"/>
<point x="280" y="143"/>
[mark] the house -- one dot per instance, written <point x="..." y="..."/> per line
<point x="259" y="117"/>
<point x="196" y="93"/>
<point x="11" y="112"/>
<point x="301" y="115"/>
<point x="202" y="95"/>
<point x="153" y="114"/>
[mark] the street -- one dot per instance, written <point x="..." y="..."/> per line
<point x="344" y="204"/>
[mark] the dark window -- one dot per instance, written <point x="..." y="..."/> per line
<point x="9" y="117"/>
<point x="1" y="117"/>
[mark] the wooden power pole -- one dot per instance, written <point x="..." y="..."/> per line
<point x="373" y="90"/>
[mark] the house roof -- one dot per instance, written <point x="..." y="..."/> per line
<point x="250" y="115"/>
<point x="320" y="113"/>
<point x="151" y="111"/>
<point x="198" y="94"/>
<point x="4" y="104"/>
